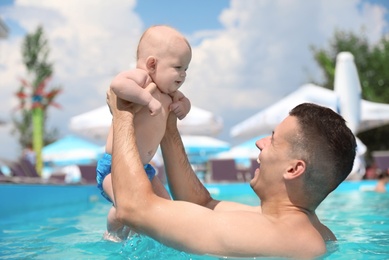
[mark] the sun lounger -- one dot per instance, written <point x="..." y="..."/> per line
<point x="250" y="173"/>
<point x="224" y="170"/>
<point x="381" y="158"/>
<point x="23" y="172"/>
<point x="88" y="173"/>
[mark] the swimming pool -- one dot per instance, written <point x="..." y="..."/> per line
<point x="67" y="222"/>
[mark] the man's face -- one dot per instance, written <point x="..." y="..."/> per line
<point x="274" y="157"/>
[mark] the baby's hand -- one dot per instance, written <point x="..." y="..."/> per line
<point x="181" y="105"/>
<point x="155" y="107"/>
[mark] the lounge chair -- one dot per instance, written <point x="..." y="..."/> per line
<point x="224" y="170"/>
<point x="88" y="173"/>
<point x="28" y="168"/>
<point x="250" y="173"/>
<point x="57" y="177"/>
<point x="381" y="158"/>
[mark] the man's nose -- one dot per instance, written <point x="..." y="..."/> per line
<point x="262" y="143"/>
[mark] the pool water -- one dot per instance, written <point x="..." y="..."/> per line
<point x="360" y="220"/>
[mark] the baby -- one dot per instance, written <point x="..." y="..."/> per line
<point x="163" y="56"/>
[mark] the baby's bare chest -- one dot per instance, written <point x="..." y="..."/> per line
<point x="149" y="130"/>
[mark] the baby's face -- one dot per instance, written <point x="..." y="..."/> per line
<point x="171" y="68"/>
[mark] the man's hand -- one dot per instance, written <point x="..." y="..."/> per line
<point x="181" y="105"/>
<point x="116" y="104"/>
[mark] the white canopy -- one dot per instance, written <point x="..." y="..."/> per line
<point x="361" y="115"/>
<point x="96" y="123"/>
<point x="200" y="122"/>
<point x="266" y="120"/>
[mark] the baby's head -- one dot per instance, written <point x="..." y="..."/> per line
<point x="165" y="54"/>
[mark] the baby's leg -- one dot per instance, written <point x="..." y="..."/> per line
<point x="159" y="188"/>
<point x="116" y="231"/>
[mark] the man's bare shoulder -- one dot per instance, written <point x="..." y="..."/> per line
<point x="233" y="233"/>
<point x="300" y="235"/>
<point x="255" y="234"/>
<point x="234" y="206"/>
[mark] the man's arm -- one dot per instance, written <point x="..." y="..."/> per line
<point x="125" y="154"/>
<point x="179" y="224"/>
<point x="183" y="181"/>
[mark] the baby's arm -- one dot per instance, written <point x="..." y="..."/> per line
<point x="181" y="105"/>
<point x="130" y="85"/>
<point x="108" y="145"/>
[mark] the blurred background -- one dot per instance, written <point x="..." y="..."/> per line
<point x="247" y="55"/>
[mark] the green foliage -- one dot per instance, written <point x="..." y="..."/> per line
<point x="22" y="128"/>
<point x="35" y="53"/>
<point x="372" y="61"/>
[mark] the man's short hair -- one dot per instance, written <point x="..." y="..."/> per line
<point x="326" y="144"/>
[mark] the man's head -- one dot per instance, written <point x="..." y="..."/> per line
<point x="325" y="143"/>
<point x="310" y="153"/>
<point x="165" y="54"/>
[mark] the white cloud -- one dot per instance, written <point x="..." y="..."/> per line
<point x="261" y="53"/>
<point x="90" y="41"/>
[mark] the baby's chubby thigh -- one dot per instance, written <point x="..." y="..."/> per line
<point x="107" y="187"/>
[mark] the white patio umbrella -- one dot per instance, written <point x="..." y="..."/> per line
<point x="361" y="115"/>
<point x="95" y="123"/>
<point x="200" y="122"/>
<point x="266" y="120"/>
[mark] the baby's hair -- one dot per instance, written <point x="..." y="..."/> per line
<point x="148" y="32"/>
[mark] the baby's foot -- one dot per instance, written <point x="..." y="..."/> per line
<point x="111" y="237"/>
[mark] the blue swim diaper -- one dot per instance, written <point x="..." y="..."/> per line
<point x="104" y="168"/>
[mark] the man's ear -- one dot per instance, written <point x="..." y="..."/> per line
<point x="151" y="64"/>
<point x="296" y="169"/>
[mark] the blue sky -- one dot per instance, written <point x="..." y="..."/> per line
<point x="179" y="12"/>
<point x="175" y="12"/>
<point x="246" y="54"/>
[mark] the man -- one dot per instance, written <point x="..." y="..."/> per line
<point x="308" y="155"/>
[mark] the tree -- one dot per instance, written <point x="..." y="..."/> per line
<point x="372" y="62"/>
<point x="33" y="98"/>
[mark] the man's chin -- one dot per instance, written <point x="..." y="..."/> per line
<point x="253" y="181"/>
<point x="251" y="184"/>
